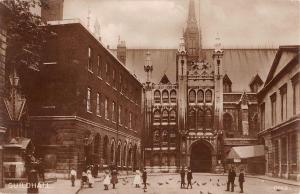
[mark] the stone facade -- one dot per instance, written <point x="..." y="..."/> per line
<point x="198" y="119"/>
<point x="279" y="115"/>
<point x="85" y="105"/>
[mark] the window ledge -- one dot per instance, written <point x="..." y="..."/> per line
<point x="99" y="116"/>
<point x="89" y="112"/>
<point x="90" y="71"/>
<point x="99" y="77"/>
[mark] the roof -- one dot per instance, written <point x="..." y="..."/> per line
<point x="165" y="80"/>
<point x="238" y="97"/>
<point x="239" y="64"/>
<point x="256" y="79"/>
<point x="243" y="152"/>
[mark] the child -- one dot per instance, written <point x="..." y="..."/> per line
<point x="144" y="176"/>
<point x="90" y="178"/>
<point x="106" y="180"/>
<point x="242" y="180"/>
<point x="137" y="179"/>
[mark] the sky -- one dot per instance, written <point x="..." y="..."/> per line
<point x="160" y="23"/>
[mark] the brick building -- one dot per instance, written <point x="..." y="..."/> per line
<point x="279" y="102"/>
<point x="85" y="106"/>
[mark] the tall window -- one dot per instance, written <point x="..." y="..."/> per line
<point x="173" y="116"/>
<point x="157" y="96"/>
<point x="156" y="116"/>
<point x="106" y="108"/>
<point x="165" y="96"/>
<point x="200" y="96"/>
<point x="173" y="96"/>
<point x="165" y="116"/>
<point x="88" y="100"/>
<point x="126" y="117"/>
<point x="113" y="112"/>
<point x="120" y="115"/>
<point x="98" y="108"/>
<point x="200" y="119"/>
<point x="283" y="93"/>
<point x="262" y="116"/>
<point x="130" y="120"/>
<point x="296" y="93"/>
<point x="192" y="119"/>
<point x="90" y="66"/>
<point x="114" y="77"/>
<point x="208" y="119"/>
<point x="121" y="82"/>
<point x="227" y="122"/>
<point x="99" y="70"/>
<point x="192" y="96"/>
<point x="273" y="108"/>
<point x="208" y="96"/>
<point x="106" y="72"/>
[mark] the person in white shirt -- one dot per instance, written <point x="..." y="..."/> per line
<point x="73" y="175"/>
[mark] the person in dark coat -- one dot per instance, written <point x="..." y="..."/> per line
<point x="242" y="180"/>
<point x="41" y="169"/>
<point x="231" y="178"/>
<point x="33" y="181"/>
<point x="182" y="176"/>
<point x="114" y="178"/>
<point x="144" y="177"/>
<point x="189" y="177"/>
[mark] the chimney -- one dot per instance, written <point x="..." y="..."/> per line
<point x="53" y="10"/>
<point x="121" y="51"/>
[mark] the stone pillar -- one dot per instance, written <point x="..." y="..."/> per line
<point x="2" y="131"/>
<point x="214" y="162"/>
<point x="287" y="157"/>
<point x="279" y="157"/>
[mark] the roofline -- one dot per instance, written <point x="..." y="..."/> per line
<point x="78" y="22"/>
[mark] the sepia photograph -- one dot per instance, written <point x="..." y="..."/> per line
<point x="149" y="96"/>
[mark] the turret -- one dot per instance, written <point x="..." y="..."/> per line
<point x="121" y="51"/>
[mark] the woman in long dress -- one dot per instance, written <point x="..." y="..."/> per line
<point x="90" y="178"/>
<point x="106" y="180"/>
<point x="137" y="179"/>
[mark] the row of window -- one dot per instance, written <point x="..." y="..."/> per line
<point x="283" y="102"/>
<point x="110" y="75"/>
<point x="164" y="116"/>
<point x="200" y="119"/>
<point x="163" y="136"/>
<point x="165" y="96"/>
<point x="110" y="110"/>
<point x="199" y="96"/>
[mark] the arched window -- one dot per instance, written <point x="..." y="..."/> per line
<point x="208" y="119"/>
<point x="124" y="154"/>
<point x="227" y="122"/>
<point x="129" y="156"/>
<point x="105" y="150"/>
<point x="173" y="116"/>
<point x="156" y="116"/>
<point x="165" y="116"/>
<point x="200" y="96"/>
<point x="200" y="119"/>
<point x="157" y="96"/>
<point x="208" y="96"/>
<point x="165" y="136"/>
<point x="255" y="124"/>
<point x="156" y="136"/>
<point x="164" y="160"/>
<point x="173" y="96"/>
<point x="192" y="96"/>
<point x="172" y="160"/>
<point x="112" y="151"/>
<point x="118" y="154"/>
<point x="165" y="96"/>
<point x="192" y="119"/>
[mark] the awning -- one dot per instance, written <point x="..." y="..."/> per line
<point x="242" y="152"/>
<point x="19" y="142"/>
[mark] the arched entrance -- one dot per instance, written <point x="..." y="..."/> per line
<point x="201" y="157"/>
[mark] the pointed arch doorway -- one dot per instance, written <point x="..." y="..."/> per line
<point x="201" y="157"/>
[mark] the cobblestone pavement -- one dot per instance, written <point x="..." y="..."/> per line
<point x="203" y="184"/>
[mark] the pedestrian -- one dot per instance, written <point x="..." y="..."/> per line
<point x="33" y="181"/>
<point x="242" y="180"/>
<point x="144" y="176"/>
<point x="41" y="169"/>
<point x="189" y="177"/>
<point x="137" y="179"/>
<point x="73" y="175"/>
<point x="84" y="178"/>
<point x="106" y="180"/>
<point x="114" y="178"/>
<point x="182" y="176"/>
<point x="231" y="178"/>
<point x="91" y="179"/>
<point x="95" y="171"/>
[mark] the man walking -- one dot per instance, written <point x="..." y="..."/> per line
<point x="242" y="180"/>
<point x="144" y="176"/>
<point x="189" y="178"/>
<point x="182" y="176"/>
<point x="231" y="178"/>
<point x="73" y="174"/>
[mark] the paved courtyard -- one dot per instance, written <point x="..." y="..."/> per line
<point x="169" y="184"/>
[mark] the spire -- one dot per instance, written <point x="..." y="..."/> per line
<point x="97" y="31"/>
<point x="218" y="44"/>
<point x="192" y="15"/>
<point x="148" y="67"/>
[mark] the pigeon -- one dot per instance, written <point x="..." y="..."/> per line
<point x="209" y="192"/>
<point x="278" y="189"/>
<point x="198" y="184"/>
<point x="167" y="182"/>
<point x="218" y="180"/>
<point x="148" y="184"/>
<point x="209" y="180"/>
<point x="218" y="184"/>
<point x="170" y="179"/>
<point x="160" y="184"/>
<point x="204" y="183"/>
<point x="201" y="192"/>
